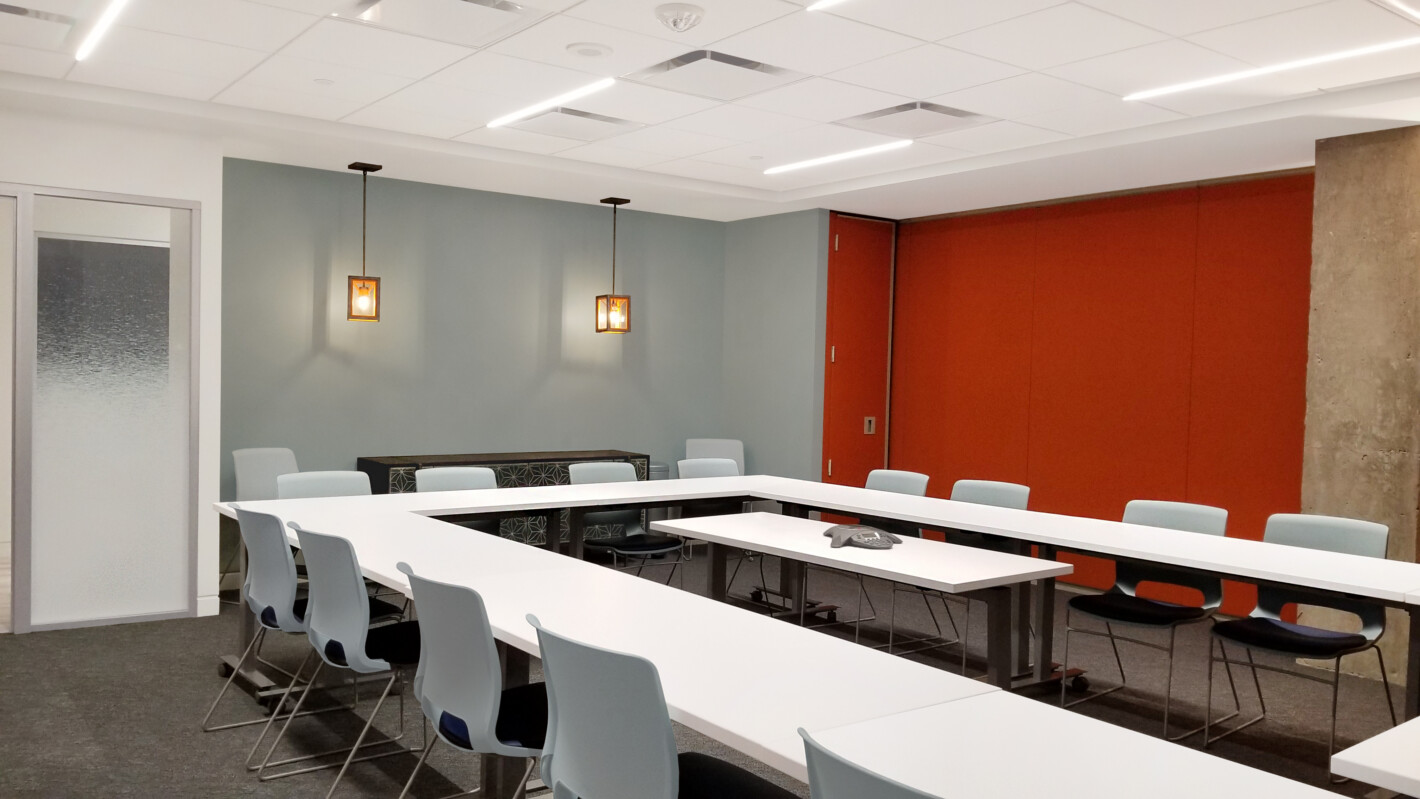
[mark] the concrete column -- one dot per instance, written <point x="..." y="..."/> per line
<point x="1362" y="441"/>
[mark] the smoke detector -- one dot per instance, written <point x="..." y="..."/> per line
<point x="679" y="17"/>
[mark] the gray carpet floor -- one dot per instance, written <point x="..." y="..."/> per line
<point x="115" y="711"/>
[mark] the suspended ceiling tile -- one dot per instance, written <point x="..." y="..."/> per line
<point x="1316" y="30"/>
<point x="644" y="104"/>
<point x="134" y="47"/>
<point x="1160" y="64"/>
<point x="572" y="124"/>
<point x="523" y="140"/>
<point x="731" y="121"/>
<point x="926" y="71"/>
<point x="523" y="82"/>
<point x="916" y="120"/>
<point x="996" y="137"/>
<point x="1083" y="119"/>
<point x="35" y="34"/>
<point x="918" y="155"/>
<point x="1183" y="18"/>
<point x="799" y="145"/>
<point x="716" y="75"/>
<point x="464" y="22"/>
<point x="137" y="77"/>
<point x="823" y="100"/>
<point x="1057" y="35"/>
<point x="318" y="8"/>
<point x="234" y="22"/>
<point x="670" y="142"/>
<point x="1023" y="95"/>
<point x="284" y="101"/>
<point x="302" y="76"/>
<point x="547" y="42"/>
<point x="470" y="109"/>
<point x="352" y="44"/>
<point x="603" y="153"/>
<point x="722" y="17"/>
<point x="814" y="43"/>
<point x="45" y="63"/>
<point x="936" y="19"/>
<point x="404" y="120"/>
<point x="718" y="173"/>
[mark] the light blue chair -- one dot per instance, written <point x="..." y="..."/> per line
<point x="1265" y="631"/>
<point x="609" y="733"/>
<point x="459" y="683"/>
<point x="1123" y="607"/>
<point x="460" y="478"/>
<point x="306" y="485"/>
<point x="256" y="470"/>
<point x="730" y="448"/>
<point x="691" y="468"/>
<point x="634" y="543"/>
<point x="833" y="777"/>
<point x="338" y="625"/>
<point x="897" y="482"/>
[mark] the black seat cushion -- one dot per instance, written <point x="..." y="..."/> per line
<point x="645" y="544"/>
<point x="522" y="716"/>
<point x="379" y="609"/>
<point x="1127" y="609"/>
<point x="397" y="643"/>
<point x="1292" y="639"/>
<point x="705" y="777"/>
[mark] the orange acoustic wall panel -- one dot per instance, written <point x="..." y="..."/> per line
<point x="1150" y="346"/>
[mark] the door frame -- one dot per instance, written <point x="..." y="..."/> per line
<point x="26" y="312"/>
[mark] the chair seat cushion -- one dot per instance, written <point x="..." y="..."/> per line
<point x="397" y="644"/>
<point x="1114" y="606"/>
<point x="1293" y="639"/>
<point x="705" y="777"/>
<point x="645" y="544"/>
<point x="379" y="609"/>
<point x="522" y="716"/>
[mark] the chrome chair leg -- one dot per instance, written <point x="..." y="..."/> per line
<point x="255" y="642"/>
<point x="415" y="773"/>
<point x="1331" y="736"/>
<point x="285" y="695"/>
<point x="1385" y="684"/>
<point x="366" y="731"/>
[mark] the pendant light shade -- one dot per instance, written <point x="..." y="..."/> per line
<point x="613" y="310"/>
<point x="362" y="298"/>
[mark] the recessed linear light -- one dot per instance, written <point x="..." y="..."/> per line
<point x="554" y="102"/>
<point x="1402" y="7"/>
<point x="828" y="159"/>
<point x="822" y="4"/>
<point x="101" y="27"/>
<point x="1274" y="68"/>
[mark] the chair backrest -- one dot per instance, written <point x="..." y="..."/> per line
<point x="706" y="467"/>
<point x="1188" y="517"/>
<point x="731" y="448"/>
<point x="257" y="469"/>
<point x="833" y="777"/>
<point x="898" y="482"/>
<point x="459" y="683"/>
<point x="1334" y="534"/>
<point x="455" y="478"/>
<point x="303" y="485"/>
<point x="337" y="609"/>
<point x="991" y="492"/>
<point x="609" y="734"/>
<point x="271" y="571"/>
<point x="608" y="472"/>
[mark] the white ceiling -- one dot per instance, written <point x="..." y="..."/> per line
<point x="414" y="82"/>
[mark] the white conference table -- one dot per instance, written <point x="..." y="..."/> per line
<point x="985" y="574"/>
<point x="1390" y="760"/>
<point x="1001" y="744"/>
<point x="736" y="676"/>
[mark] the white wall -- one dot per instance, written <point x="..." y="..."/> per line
<point x="74" y="153"/>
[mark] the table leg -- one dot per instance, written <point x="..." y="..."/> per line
<point x="790" y="509"/>
<point x="1043" y="616"/>
<point x="576" y="524"/>
<point x="998" y="635"/>
<point x="791" y="577"/>
<point x="1412" y="667"/>
<point x="498" y="775"/>
<point x="715" y="587"/>
<point x="553" y="538"/>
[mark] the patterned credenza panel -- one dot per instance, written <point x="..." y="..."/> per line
<point x="395" y="475"/>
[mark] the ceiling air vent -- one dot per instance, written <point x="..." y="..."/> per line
<point x="915" y="120"/>
<point x="570" y="123"/>
<point x="715" y="75"/>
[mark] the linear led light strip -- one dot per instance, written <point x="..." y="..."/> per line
<point x="551" y="103"/>
<point x="101" y="27"/>
<point x="1268" y="70"/>
<point x="828" y="159"/>
<point x="822" y="4"/>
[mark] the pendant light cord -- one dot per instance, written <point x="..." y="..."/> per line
<point x="364" y="211"/>
<point x="613" y="249"/>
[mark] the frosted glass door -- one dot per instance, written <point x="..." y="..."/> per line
<point x="109" y="450"/>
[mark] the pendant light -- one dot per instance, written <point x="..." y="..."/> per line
<point x="362" y="300"/>
<point x="613" y="310"/>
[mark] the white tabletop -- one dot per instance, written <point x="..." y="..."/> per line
<point x="1000" y="744"/>
<point x="918" y="561"/>
<point x="1390" y="760"/>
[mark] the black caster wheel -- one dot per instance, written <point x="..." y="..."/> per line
<point x="1078" y="684"/>
<point x="756" y="596"/>
<point x="224" y="670"/>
